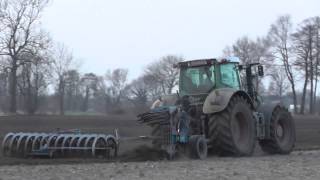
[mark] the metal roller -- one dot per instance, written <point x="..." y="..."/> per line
<point x="13" y="143"/>
<point x="52" y="139"/>
<point x="81" y="141"/>
<point x="21" y="144"/>
<point x="60" y="144"/>
<point x="45" y="139"/>
<point x="28" y="144"/>
<point x="6" y="143"/>
<point x="36" y="142"/>
<point x="100" y="142"/>
<point x="73" y="143"/>
<point x="66" y="143"/>
<point x="88" y="144"/>
<point x="113" y="143"/>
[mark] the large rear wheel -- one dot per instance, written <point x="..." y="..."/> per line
<point x="232" y="131"/>
<point x="282" y="133"/>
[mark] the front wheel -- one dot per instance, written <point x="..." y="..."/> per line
<point x="282" y="133"/>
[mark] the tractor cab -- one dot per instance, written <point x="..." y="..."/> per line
<point x="200" y="77"/>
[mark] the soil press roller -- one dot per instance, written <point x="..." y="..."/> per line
<point x="71" y="143"/>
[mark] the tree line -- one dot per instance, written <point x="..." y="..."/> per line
<point x="39" y="75"/>
<point x="291" y="55"/>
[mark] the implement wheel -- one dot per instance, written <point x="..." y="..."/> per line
<point x="198" y="147"/>
<point x="282" y="133"/>
<point x="232" y="131"/>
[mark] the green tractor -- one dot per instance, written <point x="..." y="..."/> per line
<point x="218" y="111"/>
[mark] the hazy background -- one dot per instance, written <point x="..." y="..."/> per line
<point x="106" y="34"/>
<point x="102" y="56"/>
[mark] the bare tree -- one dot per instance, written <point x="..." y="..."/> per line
<point x="310" y="33"/>
<point x="242" y="48"/>
<point x="163" y="74"/>
<point x="155" y="89"/>
<point x="33" y="80"/>
<point x="72" y="87"/>
<point x="302" y="62"/>
<point x="62" y="60"/>
<point x="89" y="82"/>
<point x="138" y="92"/>
<point x="306" y="43"/>
<point x="250" y="51"/>
<point x="103" y="95"/>
<point x="116" y="81"/>
<point x="279" y="82"/>
<point x="20" y="35"/>
<point x="314" y="30"/>
<point x="279" y="34"/>
<point x="4" y="89"/>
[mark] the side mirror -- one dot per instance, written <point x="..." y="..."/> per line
<point x="240" y="67"/>
<point x="260" y="70"/>
<point x="178" y="94"/>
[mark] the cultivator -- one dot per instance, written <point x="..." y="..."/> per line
<point x="163" y="120"/>
<point x="172" y="132"/>
<point x="60" y="144"/>
<point x="165" y="138"/>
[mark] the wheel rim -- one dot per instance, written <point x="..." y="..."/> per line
<point x="202" y="148"/>
<point x="280" y="130"/>
<point x="283" y="131"/>
<point x="240" y="128"/>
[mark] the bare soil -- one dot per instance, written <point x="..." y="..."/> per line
<point x="308" y="135"/>
<point x="297" y="166"/>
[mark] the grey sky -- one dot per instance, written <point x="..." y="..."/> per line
<point x="107" y="34"/>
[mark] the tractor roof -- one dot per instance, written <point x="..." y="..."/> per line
<point x="207" y="62"/>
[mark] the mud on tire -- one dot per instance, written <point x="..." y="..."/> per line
<point x="282" y="133"/>
<point x="232" y="131"/>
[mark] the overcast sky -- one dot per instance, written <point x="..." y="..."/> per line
<point x="107" y="34"/>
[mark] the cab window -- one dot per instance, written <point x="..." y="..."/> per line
<point x="196" y="80"/>
<point x="229" y="75"/>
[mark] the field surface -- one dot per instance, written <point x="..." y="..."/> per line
<point x="297" y="166"/>
<point x="307" y="127"/>
<point x="136" y="162"/>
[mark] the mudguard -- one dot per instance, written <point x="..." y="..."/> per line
<point x="219" y="99"/>
<point x="267" y="109"/>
